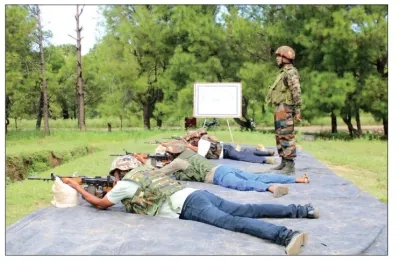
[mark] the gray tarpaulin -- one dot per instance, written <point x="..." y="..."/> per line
<point x="351" y="222"/>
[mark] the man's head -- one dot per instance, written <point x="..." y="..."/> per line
<point x="122" y="165"/>
<point x="193" y="137"/>
<point x="285" y="55"/>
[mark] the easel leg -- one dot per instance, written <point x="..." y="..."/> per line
<point x="227" y="121"/>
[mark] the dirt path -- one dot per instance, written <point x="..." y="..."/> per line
<point x="326" y="128"/>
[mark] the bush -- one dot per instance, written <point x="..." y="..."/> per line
<point x="21" y="165"/>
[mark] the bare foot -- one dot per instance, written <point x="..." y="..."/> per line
<point x="304" y="179"/>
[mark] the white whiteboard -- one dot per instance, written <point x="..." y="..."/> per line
<point x="217" y="100"/>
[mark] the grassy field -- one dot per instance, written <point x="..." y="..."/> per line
<point x="137" y="124"/>
<point x="361" y="161"/>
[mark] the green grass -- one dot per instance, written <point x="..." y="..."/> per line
<point x="135" y="123"/>
<point x="23" y="198"/>
<point x="365" y="119"/>
<point x="362" y="161"/>
<point x="31" y="141"/>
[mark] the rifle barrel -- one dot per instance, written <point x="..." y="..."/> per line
<point x="39" y="178"/>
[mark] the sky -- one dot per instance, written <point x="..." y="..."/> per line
<point x="60" y="20"/>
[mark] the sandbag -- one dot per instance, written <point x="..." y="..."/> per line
<point x="64" y="195"/>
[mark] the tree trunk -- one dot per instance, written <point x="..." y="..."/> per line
<point x="81" y="100"/>
<point x="385" y="126"/>
<point x="347" y="120"/>
<point x="76" y="107"/>
<point x="109" y="126"/>
<point x="159" y="123"/>
<point x="333" y="122"/>
<point x="65" y="113"/>
<point x="43" y="77"/>
<point x="40" y="113"/>
<point x="358" y="121"/>
<point x="74" y="112"/>
<point x="263" y="111"/>
<point x="16" y="126"/>
<point x="245" y="106"/>
<point x="7" y="122"/>
<point x="120" y="124"/>
<point x="146" y="114"/>
<point x="8" y="102"/>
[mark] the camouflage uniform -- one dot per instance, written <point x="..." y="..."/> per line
<point x="285" y="96"/>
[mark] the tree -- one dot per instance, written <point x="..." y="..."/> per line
<point x="43" y="77"/>
<point x="79" y="85"/>
<point x="371" y="26"/>
<point x="18" y="43"/>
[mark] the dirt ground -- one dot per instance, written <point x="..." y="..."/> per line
<point x="376" y="129"/>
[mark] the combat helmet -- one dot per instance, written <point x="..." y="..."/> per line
<point x="175" y="147"/>
<point x="210" y="138"/>
<point x="192" y="135"/>
<point x="202" y="132"/>
<point x="286" y="51"/>
<point x="124" y="163"/>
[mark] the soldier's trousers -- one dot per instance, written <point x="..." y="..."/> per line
<point x="284" y="131"/>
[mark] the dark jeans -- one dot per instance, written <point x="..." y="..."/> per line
<point x="205" y="207"/>
<point x="245" y="156"/>
<point x="230" y="177"/>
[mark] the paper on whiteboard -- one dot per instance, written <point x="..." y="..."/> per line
<point x="203" y="147"/>
<point x="219" y="100"/>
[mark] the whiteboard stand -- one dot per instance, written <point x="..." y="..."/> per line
<point x="227" y="121"/>
<point x="204" y="123"/>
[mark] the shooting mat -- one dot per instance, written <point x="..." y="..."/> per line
<point x="351" y="222"/>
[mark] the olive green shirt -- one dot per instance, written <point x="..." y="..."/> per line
<point x="190" y="166"/>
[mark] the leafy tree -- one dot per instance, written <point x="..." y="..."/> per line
<point x="18" y="37"/>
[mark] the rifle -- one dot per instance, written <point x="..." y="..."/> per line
<point x="160" y="159"/>
<point x="154" y="142"/>
<point x="176" y="137"/>
<point x="98" y="186"/>
<point x="126" y="153"/>
<point x="157" y="160"/>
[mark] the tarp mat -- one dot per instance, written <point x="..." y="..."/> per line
<point x="351" y="222"/>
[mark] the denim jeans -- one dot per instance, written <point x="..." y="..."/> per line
<point x="205" y="207"/>
<point x="245" y="156"/>
<point x="230" y="177"/>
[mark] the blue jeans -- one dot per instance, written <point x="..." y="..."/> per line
<point x="230" y="177"/>
<point x="203" y="206"/>
<point x="245" y="156"/>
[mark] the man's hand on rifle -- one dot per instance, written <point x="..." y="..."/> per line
<point x="141" y="157"/>
<point x="186" y="142"/>
<point x="188" y="145"/>
<point x="71" y="183"/>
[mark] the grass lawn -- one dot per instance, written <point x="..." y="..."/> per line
<point x="361" y="161"/>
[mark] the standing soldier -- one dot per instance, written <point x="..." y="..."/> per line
<point x="285" y="96"/>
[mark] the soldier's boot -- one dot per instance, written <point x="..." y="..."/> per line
<point x="294" y="241"/>
<point x="280" y="167"/>
<point x="289" y="167"/>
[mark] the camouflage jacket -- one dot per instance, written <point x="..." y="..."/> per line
<point x="196" y="168"/>
<point x="154" y="189"/>
<point x="286" y="88"/>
